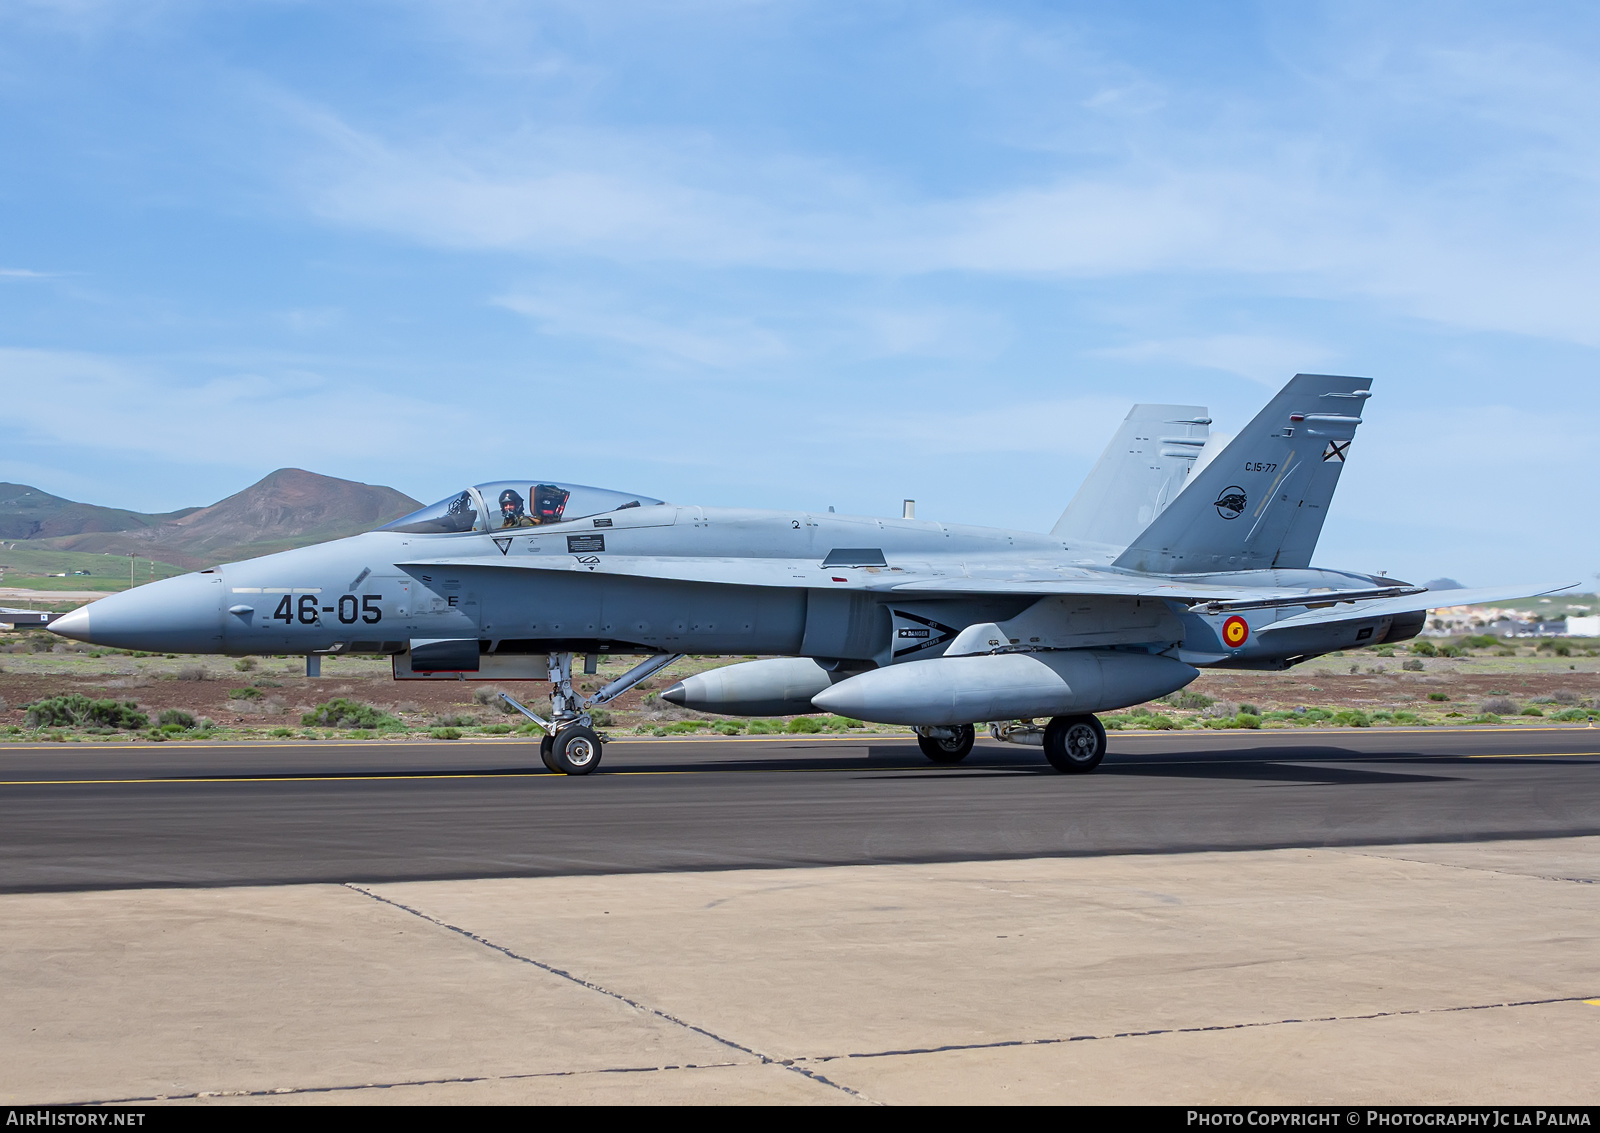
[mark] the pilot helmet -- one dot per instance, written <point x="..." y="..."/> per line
<point x="510" y="502"/>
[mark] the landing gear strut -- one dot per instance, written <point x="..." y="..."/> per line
<point x="949" y="744"/>
<point x="1075" y="744"/>
<point x="570" y="745"/>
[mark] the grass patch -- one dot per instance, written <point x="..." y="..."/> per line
<point x="342" y="712"/>
<point x="78" y="711"/>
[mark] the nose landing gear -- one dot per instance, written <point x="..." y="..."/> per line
<point x="570" y="745"/>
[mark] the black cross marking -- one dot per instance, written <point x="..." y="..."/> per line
<point x="1336" y="451"/>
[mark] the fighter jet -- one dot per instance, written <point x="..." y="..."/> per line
<point x="1183" y="550"/>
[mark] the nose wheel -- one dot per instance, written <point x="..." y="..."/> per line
<point x="573" y="751"/>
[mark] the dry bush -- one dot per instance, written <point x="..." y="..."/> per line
<point x="1564" y="696"/>
<point x="1501" y="706"/>
<point x="194" y="673"/>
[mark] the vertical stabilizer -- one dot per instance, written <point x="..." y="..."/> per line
<point x="1261" y="502"/>
<point x="1140" y="472"/>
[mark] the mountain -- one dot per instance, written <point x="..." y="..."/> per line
<point x="28" y="513"/>
<point x="288" y="508"/>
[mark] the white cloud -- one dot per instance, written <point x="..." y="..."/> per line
<point x="1452" y="180"/>
<point x="1260" y="358"/>
<point x="239" y="418"/>
<point x="700" y="341"/>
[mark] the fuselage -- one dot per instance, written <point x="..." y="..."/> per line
<point x="754" y="583"/>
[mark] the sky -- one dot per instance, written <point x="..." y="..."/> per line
<point x="800" y="255"/>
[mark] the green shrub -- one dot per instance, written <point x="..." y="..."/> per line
<point x="1532" y="710"/>
<point x="1352" y="718"/>
<point x="281" y="733"/>
<point x="728" y="728"/>
<point x="77" y="710"/>
<point x="456" y="720"/>
<point x="1188" y="699"/>
<point x="804" y="725"/>
<point x="1247" y="720"/>
<point x="445" y="733"/>
<point x="1249" y="710"/>
<point x="1505" y="652"/>
<point x="341" y="712"/>
<point x="245" y="664"/>
<point x="1481" y="641"/>
<point x="1438" y="696"/>
<point x="1563" y="650"/>
<point x="1412" y="666"/>
<point x="361" y="734"/>
<point x="175" y="716"/>
<point x="496" y="729"/>
<point x="1450" y="650"/>
<point x="1158" y="723"/>
<point x="1383" y="651"/>
<point x="765" y="727"/>
<point x="244" y="694"/>
<point x="602" y="718"/>
<point x="1424" y="649"/>
<point x="1568" y="715"/>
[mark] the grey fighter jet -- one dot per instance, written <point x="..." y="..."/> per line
<point x="1183" y="550"/>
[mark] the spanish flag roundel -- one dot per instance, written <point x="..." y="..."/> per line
<point x="1235" y="632"/>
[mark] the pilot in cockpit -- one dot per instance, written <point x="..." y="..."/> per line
<point x="511" y="513"/>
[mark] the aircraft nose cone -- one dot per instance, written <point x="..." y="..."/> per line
<point x="74" y="625"/>
<point x="175" y="615"/>
<point x="677" y="694"/>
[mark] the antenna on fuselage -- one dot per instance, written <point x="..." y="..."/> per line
<point x="910" y="510"/>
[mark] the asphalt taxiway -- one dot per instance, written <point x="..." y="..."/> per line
<point x="1348" y="917"/>
<point x="92" y="816"/>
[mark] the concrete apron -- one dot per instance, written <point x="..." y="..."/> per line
<point x="1397" y="974"/>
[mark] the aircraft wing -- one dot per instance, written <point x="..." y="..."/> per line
<point x="912" y="580"/>
<point x="1410" y="604"/>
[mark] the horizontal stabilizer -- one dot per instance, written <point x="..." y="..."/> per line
<point x="1429" y="600"/>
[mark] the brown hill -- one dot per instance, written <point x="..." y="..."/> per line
<point x="28" y="513"/>
<point x="288" y="508"/>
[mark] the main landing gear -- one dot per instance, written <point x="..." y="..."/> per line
<point x="946" y="744"/>
<point x="570" y="745"/>
<point x="1073" y="744"/>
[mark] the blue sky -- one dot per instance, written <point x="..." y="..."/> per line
<point x="800" y="255"/>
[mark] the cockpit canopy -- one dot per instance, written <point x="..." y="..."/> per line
<point x="514" y="503"/>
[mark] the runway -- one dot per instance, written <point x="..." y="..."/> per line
<point x="81" y="817"/>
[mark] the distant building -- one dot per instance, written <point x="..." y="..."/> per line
<point x="1584" y="627"/>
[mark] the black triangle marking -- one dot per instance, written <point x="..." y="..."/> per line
<point x="503" y="542"/>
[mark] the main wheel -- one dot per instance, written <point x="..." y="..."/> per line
<point x="575" y="750"/>
<point x="953" y="750"/>
<point x="1075" y="744"/>
<point x="546" y="744"/>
